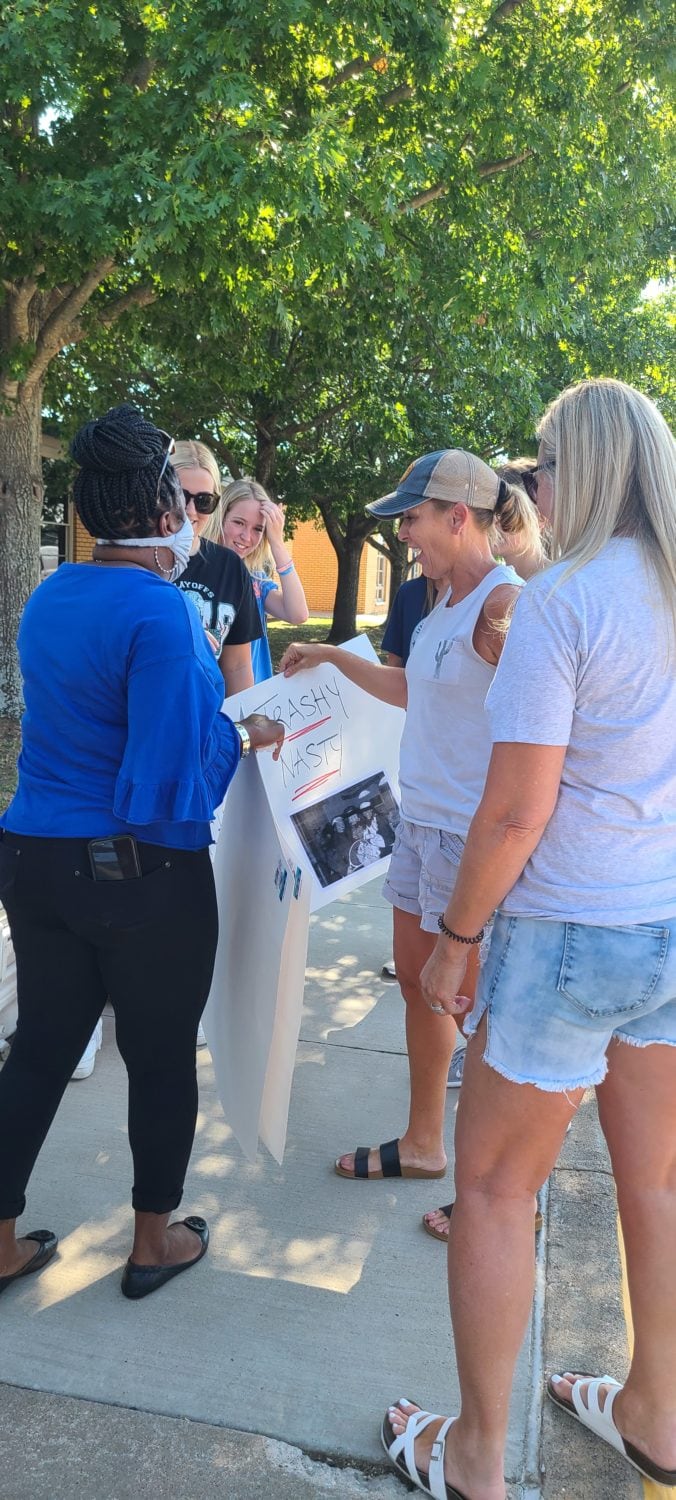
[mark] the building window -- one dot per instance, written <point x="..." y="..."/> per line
<point x="56" y="521"/>
<point x="381" y="578"/>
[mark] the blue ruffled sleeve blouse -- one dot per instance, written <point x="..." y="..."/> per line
<point x="122" y="731"/>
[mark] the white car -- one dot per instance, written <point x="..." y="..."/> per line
<point x="49" y="559"/>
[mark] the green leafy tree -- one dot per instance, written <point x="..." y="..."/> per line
<point x="390" y="160"/>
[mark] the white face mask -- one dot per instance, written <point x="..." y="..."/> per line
<point x="179" y="542"/>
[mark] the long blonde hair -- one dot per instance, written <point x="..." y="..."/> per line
<point x="261" y="559"/>
<point x="613" y="463"/>
<point x="196" y="455"/>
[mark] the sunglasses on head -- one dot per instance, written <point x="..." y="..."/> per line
<point x="205" y="503"/>
<point x="171" y="448"/>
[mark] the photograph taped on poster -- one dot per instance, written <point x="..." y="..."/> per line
<point x="349" y="830"/>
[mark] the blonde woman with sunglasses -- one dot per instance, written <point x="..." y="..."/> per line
<point x="217" y="583"/>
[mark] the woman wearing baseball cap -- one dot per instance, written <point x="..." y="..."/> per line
<point x="450" y="504"/>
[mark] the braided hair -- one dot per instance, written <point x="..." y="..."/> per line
<point x="116" y="490"/>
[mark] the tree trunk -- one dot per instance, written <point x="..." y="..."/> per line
<point x="344" y="623"/>
<point x="20" y="510"/>
<point x="266" y="462"/>
<point x="398" y="572"/>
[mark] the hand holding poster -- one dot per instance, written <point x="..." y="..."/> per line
<point x="333" y="792"/>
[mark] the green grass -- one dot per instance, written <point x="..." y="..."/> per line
<point x="317" y="629"/>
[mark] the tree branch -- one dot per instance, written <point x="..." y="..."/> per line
<point x="396" y="96"/>
<point x="491" y="168"/>
<point x="18" y="325"/>
<point x="56" y="297"/>
<point x="333" y="530"/>
<point x="503" y="11"/>
<point x="56" y="330"/>
<point x="379" y="547"/>
<point x="140" y="75"/>
<point x="294" y="429"/>
<point x="139" y="296"/>
<point x="351" y="70"/>
<point x="390" y="547"/>
<point x="421" y="199"/>
<point x="228" y="457"/>
<point x="484" y="169"/>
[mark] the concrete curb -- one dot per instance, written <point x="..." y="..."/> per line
<point x="59" y="1448"/>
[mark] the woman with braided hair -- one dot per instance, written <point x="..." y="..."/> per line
<point x="105" y="871"/>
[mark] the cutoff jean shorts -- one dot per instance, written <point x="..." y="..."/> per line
<point x="423" y="870"/>
<point x="556" y="994"/>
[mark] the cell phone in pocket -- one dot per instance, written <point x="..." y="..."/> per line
<point x="115" y="858"/>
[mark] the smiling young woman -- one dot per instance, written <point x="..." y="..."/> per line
<point x="251" y="525"/>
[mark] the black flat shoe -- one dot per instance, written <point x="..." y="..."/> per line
<point x="140" y="1281"/>
<point x="46" y="1242"/>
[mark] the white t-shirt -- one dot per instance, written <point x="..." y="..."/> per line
<point x="589" y="668"/>
<point x="446" y="743"/>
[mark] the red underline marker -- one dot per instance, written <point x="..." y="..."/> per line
<point x="310" y="785"/>
<point x="306" y="730"/>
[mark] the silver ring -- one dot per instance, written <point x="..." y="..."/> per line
<point x="438" y="1010"/>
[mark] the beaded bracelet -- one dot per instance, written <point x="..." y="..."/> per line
<point x="447" y="931"/>
<point x="282" y="572"/>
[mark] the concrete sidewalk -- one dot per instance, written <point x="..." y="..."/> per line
<point x="267" y="1371"/>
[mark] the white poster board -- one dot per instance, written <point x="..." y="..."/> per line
<point x="291" y="836"/>
<point x="252" y="1017"/>
<point x="334" y="791"/>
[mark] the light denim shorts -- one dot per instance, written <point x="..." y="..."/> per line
<point x="556" y="993"/>
<point x="423" y="870"/>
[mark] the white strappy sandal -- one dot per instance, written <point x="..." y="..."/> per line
<point x="400" y="1449"/>
<point x="600" y="1421"/>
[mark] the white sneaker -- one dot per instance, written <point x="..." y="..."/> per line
<point x="201" y="1038"/>
<point x="456" y="1069"/>
<point x="85" y="1067"/>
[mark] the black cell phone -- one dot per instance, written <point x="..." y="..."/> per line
<point x="114" y="858"/>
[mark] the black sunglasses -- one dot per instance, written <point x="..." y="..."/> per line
<point x="205" y="503"/>
<point x="530" y="484"/>
<point x="529" y="479"/>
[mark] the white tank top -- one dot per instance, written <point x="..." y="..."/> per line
<point x="446" y="743"/>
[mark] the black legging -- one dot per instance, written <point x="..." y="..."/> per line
<point x="146" y="944"/>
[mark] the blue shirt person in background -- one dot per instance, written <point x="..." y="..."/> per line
<point x="105" y="871"/>
<point x="411" y="604"/>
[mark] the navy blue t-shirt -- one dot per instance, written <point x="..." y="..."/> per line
<point x="409" y="608"/>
